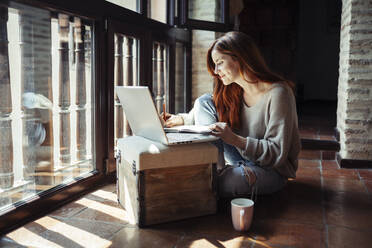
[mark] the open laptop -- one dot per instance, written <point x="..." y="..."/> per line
<point x="144" y="120"/>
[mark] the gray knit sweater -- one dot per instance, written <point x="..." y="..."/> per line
<point x="271" y="129"/>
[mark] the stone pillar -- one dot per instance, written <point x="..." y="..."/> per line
<point x="160" y="74"/>
<point x="354" y="110"/>
<point x="36" y="90"/>
<point x="6" y="141"/>
<point x="64" y="89"/>
<point x="81" y="96"/>
<point x="128" y="75"/>
<point x="118" y="81"/>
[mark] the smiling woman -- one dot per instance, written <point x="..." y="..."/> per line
<point x="253" y="111"/>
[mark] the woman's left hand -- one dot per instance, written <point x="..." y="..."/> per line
<point x="222" y="130"/>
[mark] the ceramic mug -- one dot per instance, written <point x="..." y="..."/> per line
<point x="242" y="213"/>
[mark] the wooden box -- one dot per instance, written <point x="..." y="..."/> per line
<point x="158" y="183"/>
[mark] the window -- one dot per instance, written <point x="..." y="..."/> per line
<point x="205" y="10"/>
<point x="47" y="106"/>
<point x="59" y="117"/>
<point x="157" y="10"/>
<point x="126" y="70"/>
<point x="129" y="4"/>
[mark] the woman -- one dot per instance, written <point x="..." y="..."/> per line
<point x="253" y="111"/>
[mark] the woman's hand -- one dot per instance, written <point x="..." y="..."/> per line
<point x="222" y="130"/>
<point x="171" y="120"/>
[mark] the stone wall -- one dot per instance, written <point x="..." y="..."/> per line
<point x="354" y="110"/>
<point x="202" y="81"/>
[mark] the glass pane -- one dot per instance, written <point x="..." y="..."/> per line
<point x="205" y="10"/>
<point x="160" y="88"/>
<point x="126" y="71"/>
<point x="46" y="101"/>
<point x="180" y="79"/>
<point x="202" y="82"/>
<point x="157" y="10"/>
<point x="129" y="4"/>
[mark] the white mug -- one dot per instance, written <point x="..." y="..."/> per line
<point x="242" y="213"/>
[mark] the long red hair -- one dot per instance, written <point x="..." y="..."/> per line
<point x="228" y="98"/>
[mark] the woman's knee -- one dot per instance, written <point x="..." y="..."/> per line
<point x="205" y="111"/>
<point x="204" y="101"/>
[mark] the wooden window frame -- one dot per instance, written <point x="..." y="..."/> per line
<point x="107" y="18"/>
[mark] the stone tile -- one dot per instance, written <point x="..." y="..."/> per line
<point x="68" y="210"/>
<point x="341" y="173"/>
<point x="143" y="238"/>
<point x="310" y="154"/>
<point x="365" y="174"/>
<point x="348" y="238"/>
<point x="308" y="163"/>
<point x="106" y="211"/>
<point x="328" y="155"/>
<point x="329" y="165"/>
<point x="81" y="233"/>
<point x="27" y="238"/>
<point x="9" y="243"/>
<point x="287" y="234"/>
<point x="32" y="230"/>
<point x="199" y="241"/>
<point x="212" y="225"/>
<point x="346" y="209"/>
<point x="303" y="172"/>
<point x="299" y="202"/>
<point x="369" y="187"/>
<point x="103" y="195"/>
<point x="109" y="188"/>
<point x="343" y="185"/>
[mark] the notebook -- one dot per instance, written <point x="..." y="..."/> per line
<point x="144" y="120"/>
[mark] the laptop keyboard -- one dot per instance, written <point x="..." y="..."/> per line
<point x="183" y="137"/>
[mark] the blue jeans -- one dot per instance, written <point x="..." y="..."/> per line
<point x="232" y="179"/>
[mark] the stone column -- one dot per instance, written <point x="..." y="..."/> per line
<point x="118" y="81"/>
<point x="128" y="74"/>
<point x="64" y="90"/>
<point x="160" y="81"/>
<point x="6" y="141"/>
<point x="354" y="110"/>
<point x="81" y="95"/>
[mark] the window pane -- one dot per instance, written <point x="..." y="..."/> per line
<point x="157" y="10"/>
<point x="205" y="10"/>
<point x="160" y="86"/>
<point x="46" y="101"/>
<point x="126" y="71"/>
<point x="180" y="79"/>
<point x="129" y="4"/>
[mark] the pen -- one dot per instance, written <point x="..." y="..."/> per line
<point x="164" y="111"/>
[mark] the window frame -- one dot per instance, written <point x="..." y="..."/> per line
<point x="106" y="18"/>
<point x="185" y="21"/>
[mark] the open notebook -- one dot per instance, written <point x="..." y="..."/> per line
<point x="144" y="120"/>
<point x="188" y="129"/>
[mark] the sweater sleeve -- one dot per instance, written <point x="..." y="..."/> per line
<point x="272" y="150"/>
<point x="188" y="118"/>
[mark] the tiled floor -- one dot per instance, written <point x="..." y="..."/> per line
<point x="325" y="206"/>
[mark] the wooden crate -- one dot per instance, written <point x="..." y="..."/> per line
<point x="158" y="183"/>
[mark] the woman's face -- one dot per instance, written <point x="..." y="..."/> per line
<point x="225" y="67"/>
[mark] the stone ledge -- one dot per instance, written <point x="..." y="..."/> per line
<point x="314" y="144"/>
<point x="353" y="163"/>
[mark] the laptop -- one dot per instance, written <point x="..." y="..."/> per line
<point x="144" y="119"/>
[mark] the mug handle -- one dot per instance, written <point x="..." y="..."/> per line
<point x="241" y="219"/>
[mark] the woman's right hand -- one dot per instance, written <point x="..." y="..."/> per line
<point x="173" y="120"/>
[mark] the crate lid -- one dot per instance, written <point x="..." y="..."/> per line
<point x="149" y="154"/>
